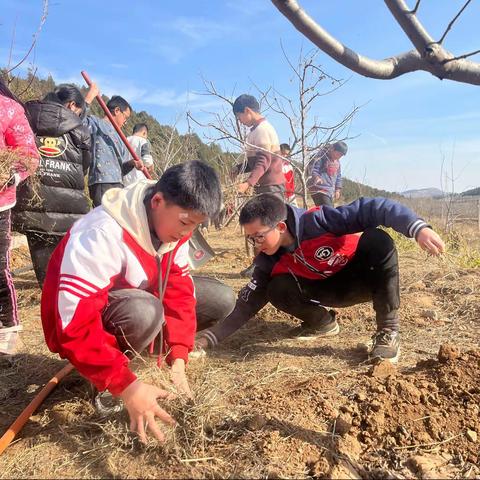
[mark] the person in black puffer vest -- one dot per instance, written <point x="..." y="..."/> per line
<point x="59" y="199"/>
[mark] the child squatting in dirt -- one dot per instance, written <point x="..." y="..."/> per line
<point x="314" y="258"/>
<point x="120" y="278"/>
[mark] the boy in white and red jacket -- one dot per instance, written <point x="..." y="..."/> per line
<point x="120" y="277"/>
<point x="314" y="258"/>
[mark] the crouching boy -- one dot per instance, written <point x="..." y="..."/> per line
<point x="120" y="279"/>
<point x="312" y="259"/>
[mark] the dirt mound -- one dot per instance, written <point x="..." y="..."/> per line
<point x="435" y="407"/>
<point x="388" y="428"/>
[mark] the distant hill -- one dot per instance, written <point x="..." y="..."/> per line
<point x="351" y="190"/>
<point x="424" y="193"/>
<point x="168" y="145"/>
<point x="471" y="192"/>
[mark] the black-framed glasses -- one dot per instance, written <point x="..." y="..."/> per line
<point x="259" y="238"/>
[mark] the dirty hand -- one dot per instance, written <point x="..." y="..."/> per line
<point x="140" y="400"/>
<point x="179" y="378"/>
<point x="93" y="91"/>
<point x="243" y="187"/>
<point x="430" y="241"/>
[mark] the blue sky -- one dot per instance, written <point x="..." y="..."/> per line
<point x="155" y="54"/>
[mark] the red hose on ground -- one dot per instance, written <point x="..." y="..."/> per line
<point x="23" y="418"/>
<point x="115" y="126"/>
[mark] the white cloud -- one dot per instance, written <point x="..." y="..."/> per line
<point x="174" y="40"/>
<point x="200" y="30"/>
<point x="171" y="98"/>
<point x="165" y="98"/>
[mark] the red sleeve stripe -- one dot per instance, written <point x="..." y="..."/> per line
<point x="79" y="281"/>
<point x="76" y="286"/>
<point x="76" y="293"/>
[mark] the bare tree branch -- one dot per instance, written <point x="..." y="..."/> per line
<point x="450" y="25"/>
<point x="383" y="69"/>
<point x="415" y="8"/>
<point x="12" y="43"/>
<point x="475" y="52"/>
<point x="411" y="25"/>
<point x="32" y="79"/>
<point x="35" y="37"/>
<point x="428" y="55"/>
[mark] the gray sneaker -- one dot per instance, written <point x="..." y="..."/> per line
<point x="385" y="345"/>
<point x="325" y="328"/>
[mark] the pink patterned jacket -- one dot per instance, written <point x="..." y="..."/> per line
<point x="15" y="134"/>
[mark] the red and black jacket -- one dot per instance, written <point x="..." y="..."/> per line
<point x="326" y="239"/>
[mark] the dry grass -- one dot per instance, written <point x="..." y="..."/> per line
<point x="12" y="161"/>
<point x="263" y="401"/>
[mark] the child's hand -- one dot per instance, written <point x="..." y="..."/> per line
<point x="138" y="165"/>
<point x="179" y="378"/>
<point x="430" y="241"/>
<point x="140" y="400"/>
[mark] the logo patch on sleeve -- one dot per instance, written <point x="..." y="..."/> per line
<point x="323" y="253"/>
<point x="245" y="292"/>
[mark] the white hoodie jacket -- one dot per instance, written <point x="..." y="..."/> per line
<point x="108" y="249"/>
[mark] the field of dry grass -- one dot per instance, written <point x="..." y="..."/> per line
<point x="269" y="406"/>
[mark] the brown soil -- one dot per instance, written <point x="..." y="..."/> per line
<point x="268" y="406"/>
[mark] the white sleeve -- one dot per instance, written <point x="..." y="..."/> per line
<point x="90" y="262"/>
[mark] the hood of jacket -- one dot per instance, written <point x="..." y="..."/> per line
<point x="126" y="206"/>
<point x="51" y="119"/>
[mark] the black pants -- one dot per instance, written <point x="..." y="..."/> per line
<point x="8" y="296"/>
<point x="41" y="247"/>
<point x="136" y="317"/>
<point x="98" y="189"/>
<point x="372" y="275"/>
<point x="322" y="199"/>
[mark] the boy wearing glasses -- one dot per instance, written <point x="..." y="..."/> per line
<point x="314" y="258"/>
<point x="110" y="158"/>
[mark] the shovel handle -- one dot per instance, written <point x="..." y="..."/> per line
<point x="109" y="115"/>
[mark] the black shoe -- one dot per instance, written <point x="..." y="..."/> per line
<point x="325" y="328"/>
<point x="385" y="345"/>
<point x="248" y="272"/>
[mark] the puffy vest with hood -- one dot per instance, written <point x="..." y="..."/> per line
<point x="64" y="145"/>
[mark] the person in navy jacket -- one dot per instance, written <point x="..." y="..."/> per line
<point x="314" y="258"/>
